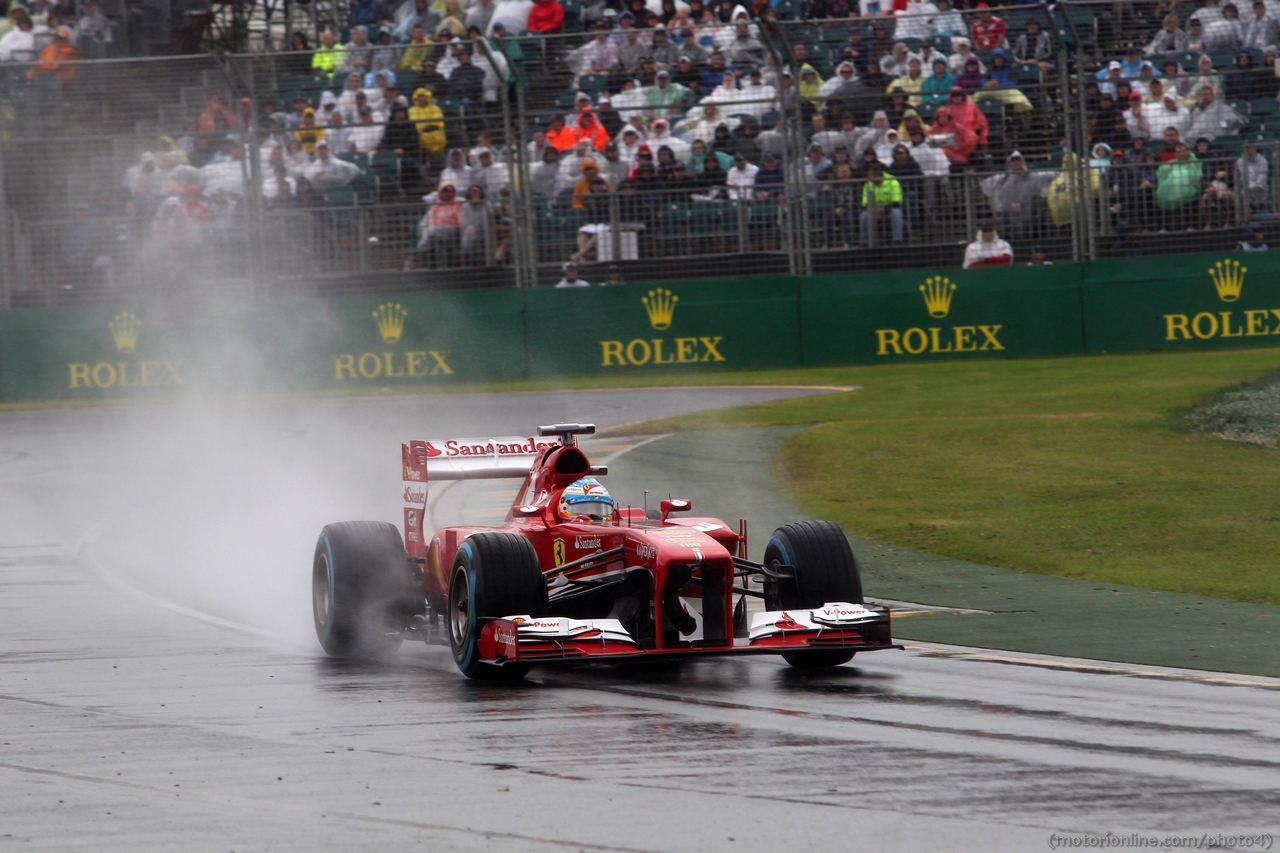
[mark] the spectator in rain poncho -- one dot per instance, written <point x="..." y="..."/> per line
<point x="309" y="134"/>
<point x="667" y="98"/>
<point x="480" y="15"/>
<point x="475" y="225"/>
<point x="225" y="176"/>
<point x="1034" y="47"/>
<point x="145" y="180"/>
<point x="937" y="86"/>
<point x="898" y="62"/>
<point x="872" y="136"/>
<point x="758" y="97"/>
<point x="1220" y="33"/>
<point x="337" y="135"/>
<point x="440" y="229"/>
<point x="167" y="145"/>
<point x="660" y="135"/>
<point x="544" y="174"/>
<point x="421" y="16"/>
<point x="1170" y="38"/>
<point x="1213" y="118"/>
<point x="884" y="148"/>
<point x="490" y="174"/>
<point x="988" y="250"/>
<point x="1014" y="195"/>
<point x="957" y="60"/>
<point x="1251" y="176"/>
<point x="20" y="42"/>
<point x="328" y="172"/>
<point x="1170" y="113"/>
<point x="915" y="21"/>
<point x="347" y="100"/>
<point x="430" y="120"/>
<point x="955" y="140"/>
<point x="571" y="164"/>
<point x="278" y="188"/>
<point x="453" y="19"/>
<point x="358" y="53"/>
<point x="456" y="171"/>
<point x="701" y="124"/>
<point x="379" y="77"/>
<point x="629" y="142"/>
<point x="295" y="157"/>
<point x="366" y="136"/>
<point x="631" y="100"/>
<point x="911" y="83"/>
<point x="931" y="159"/>
<point x="745" y="49"/>
<point x="844" y="87"/>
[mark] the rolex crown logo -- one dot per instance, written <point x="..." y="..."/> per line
<point x="660" y="305"/>
<point x="125" y="329"/>
<point x="1228" y="278"/>
<point x="937" y="295"/>
<point x="390" y="319"/>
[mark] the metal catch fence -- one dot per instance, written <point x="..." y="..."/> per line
<point x="725" y="151"/>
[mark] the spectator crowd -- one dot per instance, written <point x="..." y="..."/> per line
<point x="872" y="116"/>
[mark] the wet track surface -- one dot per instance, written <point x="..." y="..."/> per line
<point x="160" y="687"/>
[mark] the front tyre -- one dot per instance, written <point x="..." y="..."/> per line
<point x="826" y="570"/>
<point x="362" y="589"/>
<point x="494" y="575"/>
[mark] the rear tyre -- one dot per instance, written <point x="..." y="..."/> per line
<point x="826" y="570"/>
<point x="362" y="589"/>
<point x="494" y="575"/>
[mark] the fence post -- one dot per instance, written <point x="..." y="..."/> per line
<point x="518" y="168"/>
<point x="6" y="243"/>
<point x="873" y="207"/>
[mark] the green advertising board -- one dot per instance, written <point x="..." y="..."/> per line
<point x="1188" y="302"/>
<point x="1196" y="301"/>
<point x="733" y="323"/>
<point x="916" y="315"/>
<point x="302" y="345"/>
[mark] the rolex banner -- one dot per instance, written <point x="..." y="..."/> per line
<point x="915" y="316"/>
<point x="718" y="324"/>
<point x="340" y="344"/>
<point x="380" y="344"/>
<point x="1191" y="302"/>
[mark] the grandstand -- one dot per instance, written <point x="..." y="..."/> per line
<point x="660" y="141"/>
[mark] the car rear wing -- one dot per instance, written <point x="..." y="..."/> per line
<point x="471" y="458"/>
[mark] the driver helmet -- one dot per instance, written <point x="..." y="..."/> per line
<point x="586" y="500"/>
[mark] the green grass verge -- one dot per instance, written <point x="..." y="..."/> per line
<point x="1077" y="467"/>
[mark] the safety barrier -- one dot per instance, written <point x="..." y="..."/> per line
<point x="362" y="344"/>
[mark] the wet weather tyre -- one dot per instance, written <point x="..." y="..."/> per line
<point x="826" y="570"/>
<point x="494" y="575"/>
<point x="362" y="590"/>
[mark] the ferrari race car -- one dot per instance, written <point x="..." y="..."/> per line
<point x="571" y="576"/>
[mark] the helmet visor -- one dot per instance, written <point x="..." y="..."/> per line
<point x="597" y="506"/>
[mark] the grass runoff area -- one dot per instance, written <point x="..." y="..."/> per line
<point x="1073" y="498"/>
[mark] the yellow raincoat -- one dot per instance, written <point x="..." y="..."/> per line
<point x="429" y="119"/>
<point x="809" y="90"/>
<point x="1067" y="184"/>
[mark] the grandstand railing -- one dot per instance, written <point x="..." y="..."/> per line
<point x="72" y="232"/>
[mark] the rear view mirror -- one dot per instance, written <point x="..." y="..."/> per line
<point x="675" y="505"/>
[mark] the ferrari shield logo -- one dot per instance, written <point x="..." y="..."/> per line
<point x="557" y="551"/>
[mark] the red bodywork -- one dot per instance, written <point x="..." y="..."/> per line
<point x="698" y="551"/>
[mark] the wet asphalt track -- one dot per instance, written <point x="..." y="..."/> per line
<point x="160" y="688"/>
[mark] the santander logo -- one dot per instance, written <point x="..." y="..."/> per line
<point x="414" y="495"/>
<point x="430" y="450"/>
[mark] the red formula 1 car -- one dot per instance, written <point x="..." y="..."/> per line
<point x="570" y="576"/>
